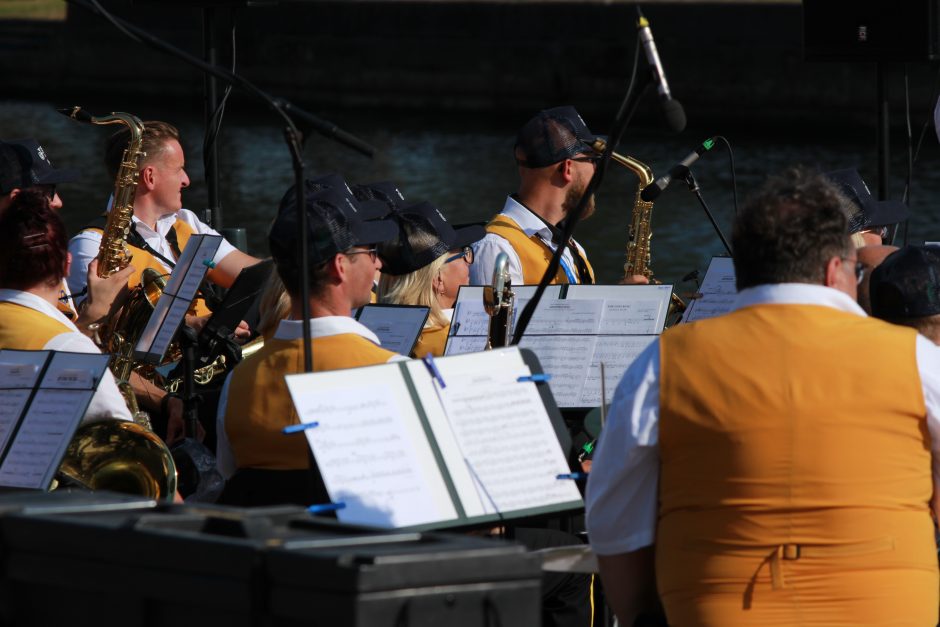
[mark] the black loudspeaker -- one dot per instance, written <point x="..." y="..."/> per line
<point x="871" y="30"/>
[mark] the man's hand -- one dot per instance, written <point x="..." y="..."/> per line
<point x="635" y="279"/>
<point x="242" y="332"/>
<point x="196" y="323"/>
<point x="105" y="296"/>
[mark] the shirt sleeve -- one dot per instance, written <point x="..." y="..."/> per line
<point x="107" y="402"/>
<point x="484" y="260"/>
<point x="201" y="228"/>
<point x="622" y="489"/>
<point x="225" y="457"/>
<point x="83" y="247"/>
<point x="928" y="365"/>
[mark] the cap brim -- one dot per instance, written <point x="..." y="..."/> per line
<point x="54" y="177"/>
<point x="373" y="209"/>
<point x="373" y="232"/>
<point x="887" y="212"/>
<point x="468" y="235"/>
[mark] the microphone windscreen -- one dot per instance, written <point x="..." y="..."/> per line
<point x="675" y="115"/>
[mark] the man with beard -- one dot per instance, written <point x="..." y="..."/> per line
<point x="556" y="162"/>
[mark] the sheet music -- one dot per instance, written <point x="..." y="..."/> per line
<point x="567" y="359"/>
<point x="397" y="328"/>
<point x="718" y="291"/>
<point x="470" y="318"/>
<point x="630" y="317"/>
<point x="632" y="293"/>
<point x="17" y="379"/>
<point x="460" y="345"/>
<point x="507" y="441"/>
<point x="371" y="448"/>
<point x="51" y="419"/>
<point x="471" y="428"/>
<point x="617" y="353"/>
<point x="566" y="317"/>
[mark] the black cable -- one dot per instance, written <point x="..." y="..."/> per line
<point x="734" y="179"/>
<point x="214" y="128"/>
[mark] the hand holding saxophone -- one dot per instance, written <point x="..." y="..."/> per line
<point x="105" y="297"/>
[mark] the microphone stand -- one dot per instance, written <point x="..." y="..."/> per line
<point x="695" y="189"/>
<point x="280" y="107"/>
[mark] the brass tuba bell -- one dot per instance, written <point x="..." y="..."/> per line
<point x="119" y="456"/>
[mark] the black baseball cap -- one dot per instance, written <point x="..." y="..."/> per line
<point x="334" y="222"/>
<point x="383" y="191"/>
<point x="424" y="235"/>
<point x="870" y="212"/>
<point x="24" y="163"/>
<point x="364" y="209"/>
<point x="553" y="135"/>
<point x="907" y="284"/>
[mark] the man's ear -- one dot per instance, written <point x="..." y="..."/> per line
<point x="834" y="272"/>
<point x="147" y="177"/>
<point x="565" y="170"/>
<point x="68" y="263"/>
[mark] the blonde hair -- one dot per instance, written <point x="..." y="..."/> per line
<point x="273" y="306"/>
<point x="857" y="240"/>
<point x="415" y="288"/>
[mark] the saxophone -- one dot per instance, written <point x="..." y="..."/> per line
<point x="638" y="246"/>
<point x="119" y="335"/>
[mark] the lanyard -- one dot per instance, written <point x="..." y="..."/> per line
<point x="572" y="279"/>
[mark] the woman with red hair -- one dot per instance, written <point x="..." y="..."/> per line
<point x="33" y="261"/>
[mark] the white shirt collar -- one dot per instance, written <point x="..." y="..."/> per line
<point x="797" y="294"/>
<point x="530" y="223"/>
<point x="26" y="299"/>
<point x="324" y="327"/>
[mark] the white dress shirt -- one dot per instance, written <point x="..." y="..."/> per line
<point x="286" y="330"/>
<point x="107" y="401"/>
<point x="84" y="246"/>
<point x="486" y="250"/>
<point x="622" y="491"/>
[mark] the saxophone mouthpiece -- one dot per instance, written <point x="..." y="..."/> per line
<point x="76" y="113"/>
<point x="599" y="146"/>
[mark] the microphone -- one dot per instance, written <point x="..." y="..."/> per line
<point x="675" y="115"/>
<point x="654" y="189"/>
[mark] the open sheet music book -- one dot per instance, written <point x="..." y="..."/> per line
<point x="398" y="327"/>
<point x="43" y="397"/>
<point x="573" y="331"/>
<point x="718" y="291"/>
<point x="401" y="451"/>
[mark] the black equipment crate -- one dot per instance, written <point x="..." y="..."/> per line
<point x="127" y="563"/>
<point x="404" y="580"/>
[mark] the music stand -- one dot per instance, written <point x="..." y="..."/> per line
<point x="170" y="310"/>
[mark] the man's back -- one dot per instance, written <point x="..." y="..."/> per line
<point x="788" y="465"/>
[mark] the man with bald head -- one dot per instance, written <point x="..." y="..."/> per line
<point x="870" y="257"/>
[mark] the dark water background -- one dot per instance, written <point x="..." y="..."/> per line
<point x="463" y="163"/>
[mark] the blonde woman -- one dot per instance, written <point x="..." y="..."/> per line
<point x="426" y="266"/>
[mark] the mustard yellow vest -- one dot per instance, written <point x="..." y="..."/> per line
<point x="534" y="254"/>
<point x="26" y="329"/>
<point x="259" y="404"/>
<point x="806" y="431"/>
<point x="433" y="340"/>
<point x="143" y="260"/>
